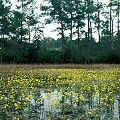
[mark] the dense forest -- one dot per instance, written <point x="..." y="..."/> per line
<point x="22" y="32"/>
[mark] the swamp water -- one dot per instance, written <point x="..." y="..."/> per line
<point x="56" y="106"/>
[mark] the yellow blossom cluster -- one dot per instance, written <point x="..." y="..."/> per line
<point x="81" y="93"/>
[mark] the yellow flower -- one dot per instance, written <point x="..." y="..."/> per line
<point x="90" y="112"/>
<point x="6" y="105"/>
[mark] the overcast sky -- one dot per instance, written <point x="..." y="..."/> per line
<point x="49" y="28"/>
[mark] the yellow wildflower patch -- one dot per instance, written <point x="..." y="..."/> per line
<point x="59" y="93"/>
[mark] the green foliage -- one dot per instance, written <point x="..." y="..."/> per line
<point x="112" y="57"/>
<point x="52" y="56"/>
<point x="22" y="34"/>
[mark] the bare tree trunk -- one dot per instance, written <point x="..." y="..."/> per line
<point x="98" y="28"/>
<point x="90" y="42"/>
<point x="78" y="34"/>
<point x="78" y="24"/>
<point x="110" y="40"/>
<point x="21" y="34"/>
<point x="62" y="26"/>
<point x="2" y="36"/>
<point x="88" y="33"/>
<point x="63" y="38"/>
<point x="71" y="36"/>
<point x="118" y="23"/>
<point x="112" y="36"/>
<point x="29" y="34"/>
<point x="20" y="40"/>
<point x="1" y="53"/>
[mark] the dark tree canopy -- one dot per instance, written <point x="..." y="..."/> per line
<point x="89" y="30"/>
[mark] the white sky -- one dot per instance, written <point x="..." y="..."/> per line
<point x="50" y="27"/>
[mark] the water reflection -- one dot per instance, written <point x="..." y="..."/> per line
<point x="56" y="106"/>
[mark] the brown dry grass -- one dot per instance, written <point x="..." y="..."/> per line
<point x="58" y="66"/>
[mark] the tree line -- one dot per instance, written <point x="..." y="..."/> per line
<point x="22" y="32"/>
